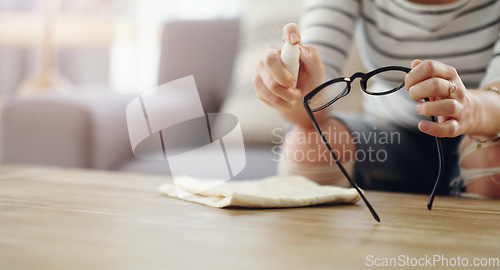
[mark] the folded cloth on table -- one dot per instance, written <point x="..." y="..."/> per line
<point x="272" y="192"/>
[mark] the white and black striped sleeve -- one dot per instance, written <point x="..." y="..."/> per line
<point x="493" y="70"/>
<point x="329" y="25"/>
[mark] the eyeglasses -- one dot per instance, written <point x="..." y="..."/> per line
<point x="329" y="92"/>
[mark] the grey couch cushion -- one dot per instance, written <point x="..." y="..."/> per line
<point x="205" y="49"/>
<point x="80" y="130"/>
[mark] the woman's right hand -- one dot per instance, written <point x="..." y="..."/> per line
<point x="273" y="82"/>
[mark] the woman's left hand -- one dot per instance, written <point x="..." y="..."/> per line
<point x="450" y="101"/>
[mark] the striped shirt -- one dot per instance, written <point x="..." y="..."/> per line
<point x="464" y="34"/>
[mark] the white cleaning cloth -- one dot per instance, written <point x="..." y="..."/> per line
<point x="272" y="192"/>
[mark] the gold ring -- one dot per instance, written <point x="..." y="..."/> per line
<point x="452" y="89"/>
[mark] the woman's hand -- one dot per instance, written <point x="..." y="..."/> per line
<point x="273" y="83"/>
<point x="450" y="101"/>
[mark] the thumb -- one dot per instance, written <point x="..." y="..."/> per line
<point x="291" y="33"/>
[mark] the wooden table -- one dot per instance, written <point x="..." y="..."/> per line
<point x="53" y="218"/>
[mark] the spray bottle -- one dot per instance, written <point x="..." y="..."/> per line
<point x="290" y="57"/>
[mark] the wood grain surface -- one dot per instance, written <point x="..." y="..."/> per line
<point x="54" y="218"/>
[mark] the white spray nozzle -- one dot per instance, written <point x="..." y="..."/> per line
<point x="290" y="57"/>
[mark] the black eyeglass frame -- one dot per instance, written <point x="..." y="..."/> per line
<point x="364" y="77"/>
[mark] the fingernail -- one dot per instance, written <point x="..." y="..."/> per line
<point x="294" y="38"/>
<point x="304" y="50"/>
<point x="419" y="108"/>
<point x="424" y="126"/>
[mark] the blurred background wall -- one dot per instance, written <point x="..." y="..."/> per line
<point x="110" y="45"/>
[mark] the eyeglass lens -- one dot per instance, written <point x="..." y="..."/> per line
<point x="385" y="81"/>
<point x="328" y="95"/>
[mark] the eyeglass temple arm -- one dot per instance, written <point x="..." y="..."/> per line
<point x="325" y="141"/>
<point x="440" y="173"/>
<point x="372" y="211"/>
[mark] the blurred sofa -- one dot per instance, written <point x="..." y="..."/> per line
<point x="87" y="129"/>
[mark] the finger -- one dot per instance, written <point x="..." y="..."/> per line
<point x="415" y="63"/>
<point x="428" y="69"/>
<point x="449" y="128"/>
<point x="291" y="33"/>
<point x="281" y="75"/>
<point x="433" y="87"/>
<point x="270" y="98"/>
<point x="445" y="107"/>
<point x="311" y="63"/>
<point x="273" y="86"/>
